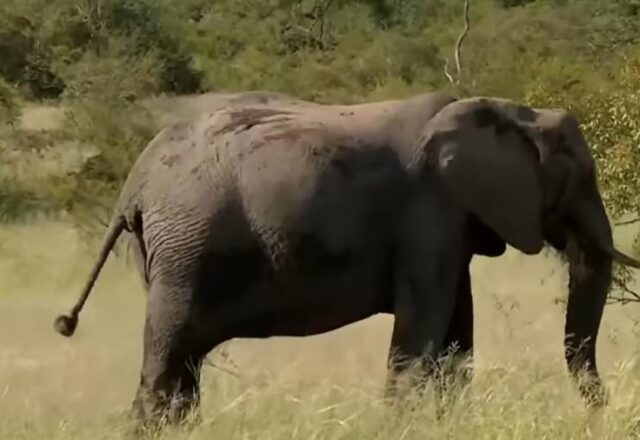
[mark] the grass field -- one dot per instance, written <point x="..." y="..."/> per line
<point x="323" y="387"/>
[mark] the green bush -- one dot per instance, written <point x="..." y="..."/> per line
<point x="26" y="62"/>
<point x="9" y="107"/>
<point x="39" y="38"/>
<point x="15" y="202"/>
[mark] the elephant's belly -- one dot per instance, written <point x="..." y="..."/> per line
<point x="311" y="301"/>
<point x="325" y="304"/>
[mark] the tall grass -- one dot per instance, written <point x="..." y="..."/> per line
<point x="322" y="387"/>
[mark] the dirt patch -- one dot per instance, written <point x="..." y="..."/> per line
<point x="42" y="117"/>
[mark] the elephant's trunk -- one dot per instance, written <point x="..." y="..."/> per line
<point x="589" y="280"/>
<point x="590" y="253"/>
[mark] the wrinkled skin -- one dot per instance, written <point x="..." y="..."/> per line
<point x="271" y="216"/>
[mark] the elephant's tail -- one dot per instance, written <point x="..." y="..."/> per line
<point x="66" y="324"/>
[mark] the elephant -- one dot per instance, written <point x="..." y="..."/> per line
<point x="271" y="215"/>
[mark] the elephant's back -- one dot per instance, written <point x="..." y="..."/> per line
<point x="208" y="157"/>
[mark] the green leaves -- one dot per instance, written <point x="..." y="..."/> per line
<point x="38" y="38"/>
<point x="9" y="110"/>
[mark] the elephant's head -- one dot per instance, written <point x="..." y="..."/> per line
<point x="527" y="174"/>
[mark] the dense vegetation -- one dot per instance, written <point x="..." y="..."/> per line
<point x="101" y="60"/>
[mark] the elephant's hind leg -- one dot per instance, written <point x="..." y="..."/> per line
<point x="169" y="386"/>
<point x="139" y="257"/>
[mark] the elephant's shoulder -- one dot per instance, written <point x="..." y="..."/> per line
<point x="267" y="98"/>
<point x="270" y="124"/>
<point x="237" y="119"/>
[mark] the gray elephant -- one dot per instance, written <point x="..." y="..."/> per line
<point x="275" y="216"/>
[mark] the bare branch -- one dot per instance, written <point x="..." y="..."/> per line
<point x="628" y="222"/>
<point x="461" y="38"/>
<point x="225" y="354"/>
<point x="447" y="74"/>
<point x="318" y="14"/>
<point x="622" y="300"/>
<point x="223" y="369"/>
<point x="458" y="47"/>
<point x="629" y="295"/>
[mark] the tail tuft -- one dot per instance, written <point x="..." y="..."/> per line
<point x="66" y="325"/>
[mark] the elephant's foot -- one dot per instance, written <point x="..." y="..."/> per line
<point x="407" y="375"/>
<point x="155" y="409"/>
<point x="584" y="373"/>
<point x="449" y="377"/>
<point x="592" y="390"/>
<point x="455" y="372"/>
<point x="455" y="369"/>
<point x="169" y="390"/>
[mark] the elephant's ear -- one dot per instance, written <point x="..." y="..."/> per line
<point x="490" y="163"/>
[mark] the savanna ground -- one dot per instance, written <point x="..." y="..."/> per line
<point x="322" y="387"/>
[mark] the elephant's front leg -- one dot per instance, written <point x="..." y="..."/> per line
<point x="427" y="277"/>
<point x="457" y="369"/>
<point x="458" y="345"/>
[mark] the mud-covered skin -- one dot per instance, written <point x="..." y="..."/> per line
<point x="272" y="216"/>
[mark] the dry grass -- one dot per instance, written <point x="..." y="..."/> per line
<point x="168" y="110"/>
<point x="323" y="387"/>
